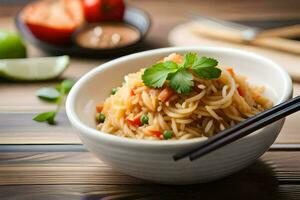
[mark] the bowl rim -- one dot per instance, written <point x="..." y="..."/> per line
<point x="109" y="138"/>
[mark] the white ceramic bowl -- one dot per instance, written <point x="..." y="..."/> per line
<point x="152" y="160"/>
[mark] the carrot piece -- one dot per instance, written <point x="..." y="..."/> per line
<point x="131" y="92"/>
<point x="165" y="94"/>
<point x="230" y="70"/>
<point x="99" y="107"/>
<point x="241" y="93"/>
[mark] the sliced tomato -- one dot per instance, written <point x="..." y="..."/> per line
<point x="102" y="10"/>
<point x="136" y="121"/>
<point x="57" y="36"/>
<point x="157" y="134"/>
<point x="53" y="21"/>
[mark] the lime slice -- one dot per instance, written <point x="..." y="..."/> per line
<point x="11" y="45"/>
<point x="33" y="69"/>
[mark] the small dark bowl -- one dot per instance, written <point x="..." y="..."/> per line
<point x="133" y="16"/>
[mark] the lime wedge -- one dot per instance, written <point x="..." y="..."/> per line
<point x="33" y="69"/>
<point x="11" y="45"/>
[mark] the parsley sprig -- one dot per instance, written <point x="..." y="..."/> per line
<point x="179" y="76"/>
<point x="54" y="95"/>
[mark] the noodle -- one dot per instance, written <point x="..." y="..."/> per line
<point x="212" y="106"/>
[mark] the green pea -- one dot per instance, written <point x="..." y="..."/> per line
<point x="144" y="119"/>
<point x="168" y="134"/>
<point x="114" y="90"/>
<point x="100" y="117"/>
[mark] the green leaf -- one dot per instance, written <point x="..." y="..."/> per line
<point x="204" y="62"/>
<point x="156" y="75"/>
<point x="182" y="81"/>
<point x="206" y="68"/>
<point x="57" y="96"/>
<point x="179" y="76"/>
<point x="189" y="59"/>
<point x="208" y="72"/>
<point x="46" y="117"/>
<point x="48" y="94"/>
<point x="66" y="85"/>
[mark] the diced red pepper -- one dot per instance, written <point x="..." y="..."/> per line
<point x="157" y="134"/>
<point x="240" y="91"/>
<point x="131" y="92"/>
<point x="136" y="121"/>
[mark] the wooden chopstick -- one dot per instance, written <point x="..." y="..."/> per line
<point x="278" y="43"/>
<point x="242" y="129"/>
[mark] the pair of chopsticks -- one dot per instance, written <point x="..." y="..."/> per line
<point x="276" y="38"/>
<point x="242" y="129"/>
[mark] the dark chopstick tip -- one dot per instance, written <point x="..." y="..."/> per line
<point x="177" y="157"/>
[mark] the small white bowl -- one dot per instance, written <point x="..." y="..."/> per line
<point x="152" y="160"/>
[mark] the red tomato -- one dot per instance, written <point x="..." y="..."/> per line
<point x="101" y="10"/>
<point x="53" y="21"/>
<point x="135" y="121"/>
<point x="91" y="10"/>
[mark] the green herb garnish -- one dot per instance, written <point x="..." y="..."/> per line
<point x="46" y="117"/>
<point x="113" y="91"/>
<point x="206" y="68"/>
<point x="168" y="134"/>
<point x="56" y="95"/>
<point x="156" y="75"/>
<point x="66" y="85"/>
<point x="100" y="117"/>
<point x="180" y="76"/>
<point x="144" y="119"/>
<point x="48" y="94"/>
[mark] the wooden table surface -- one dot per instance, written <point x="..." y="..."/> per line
<point x="38" y="161"/>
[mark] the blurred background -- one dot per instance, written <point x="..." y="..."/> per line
<point x="173" y="24"/>
<point x="267" y="27"/>
<point x="165" y="14"/>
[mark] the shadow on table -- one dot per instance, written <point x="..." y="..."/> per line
<point x="255" y="182"/>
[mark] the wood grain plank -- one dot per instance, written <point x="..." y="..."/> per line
<point x="82" y="168"/>
<point x="11" y="148"/>
<point x="19" y="128"/>
<point x="79" y="175"/>
<point x="290" y="132"/>
<point x="58" y="168"/>
<point x="248" y="189"/>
